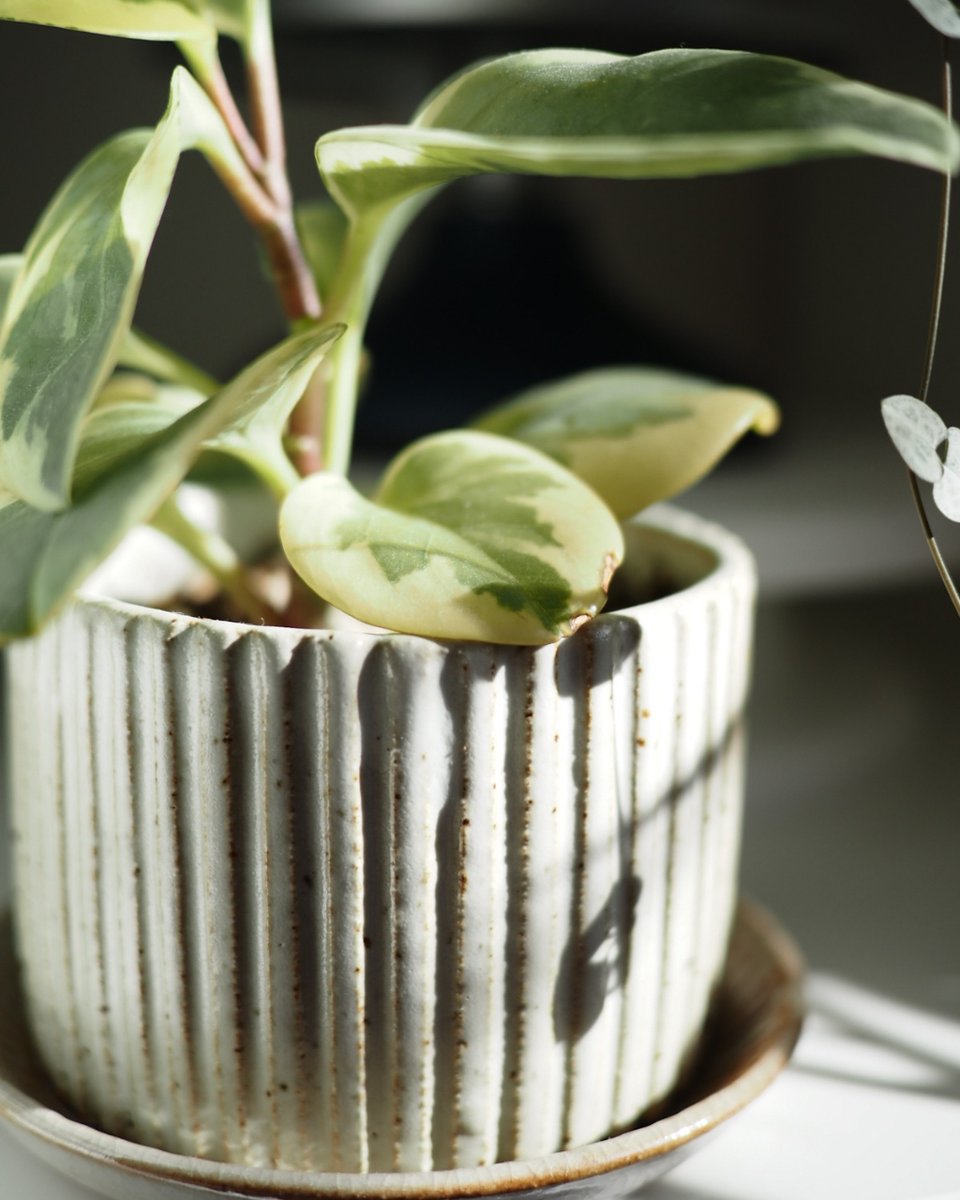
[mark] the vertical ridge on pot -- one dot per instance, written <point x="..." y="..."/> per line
<point x="339" y="901"/>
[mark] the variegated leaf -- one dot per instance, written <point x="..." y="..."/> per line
<point x="917" y="432"/>
<point x="138" y="352"/>
<point x="469" y="536"/>
<point x="636" y="435"/>
<point x="323" y="229"/>
<point x="10" y="265"/>
<point x="70" y="307"/>
<point x="667" y="113"/>
<point x="943" y="15"/>
<point x="47" y="555"/>
<point x="155" y="20"/>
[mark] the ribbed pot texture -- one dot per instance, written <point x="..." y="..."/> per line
<point x="347" y="901"/>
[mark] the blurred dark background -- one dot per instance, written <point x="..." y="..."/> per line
<point x="809" y="282"/>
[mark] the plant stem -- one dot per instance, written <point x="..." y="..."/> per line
<point x="933" y="330"/>
<point x="291" y="272"/>
<point x="205" y="63"/>
<point x="217" y="555"/>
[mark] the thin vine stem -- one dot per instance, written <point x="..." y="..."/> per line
<point x="933" y="330"/>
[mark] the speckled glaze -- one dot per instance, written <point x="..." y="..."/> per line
<point x="339" y="901"/>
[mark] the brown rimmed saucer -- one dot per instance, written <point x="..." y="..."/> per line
<point x="753" y="1028"/>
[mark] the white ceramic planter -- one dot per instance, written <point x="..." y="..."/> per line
<point x="353" y="902"/>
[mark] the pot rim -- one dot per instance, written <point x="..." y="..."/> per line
<point x="678" y="527"/>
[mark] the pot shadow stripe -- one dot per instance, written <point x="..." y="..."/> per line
<point x="180" y="895"/>
<point x="518" y="768"/>
<point x="298" y="689"/>
<point x="98" y="798"/>
<point x="450" y="853"/>
<point x="575" y="977"/>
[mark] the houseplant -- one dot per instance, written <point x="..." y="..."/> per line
<point x="333" y="898"/>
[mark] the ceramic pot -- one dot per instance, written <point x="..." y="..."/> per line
<point x="346" y="901"/>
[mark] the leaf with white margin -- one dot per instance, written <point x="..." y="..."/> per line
<point x="943" y="15"/>
<point x="71" y="305"/>
<point x="470" y="536"/>
<point x="636" y="435"/>
<point x="669" y="113"/>
<point x="946" y="490"/>
<point x="155" y="20"/>
<point x="9" y="269"/>
<point x="916" y="431"/>
<point x="46" y="556"/>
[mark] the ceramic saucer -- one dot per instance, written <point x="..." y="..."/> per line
<point x="753" y="1027"/>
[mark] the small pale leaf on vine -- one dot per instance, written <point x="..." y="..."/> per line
<point x="946" y="490"/>
<point x="916" y="431"/>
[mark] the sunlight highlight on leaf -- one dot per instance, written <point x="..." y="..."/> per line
<point x="469" y="536"/>
<point x="635" y="434"/>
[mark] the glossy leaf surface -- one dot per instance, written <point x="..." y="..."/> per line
<point x="636" y="435"/>
<point x="469" y="536"/>
<point x="943" y="15"/>
<point x="946" y="490"/>
<point x="156" y="20"/>
<point x="124" y="480"/>
<point x="70" y="308"/>
<point x="668" y="113"/>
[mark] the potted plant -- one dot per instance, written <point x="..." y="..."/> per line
<point x="292" y="891"/>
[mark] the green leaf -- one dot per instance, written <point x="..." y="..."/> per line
<point x="668" y="113"/>
<point x="156" y="20"/>
<point x="636" y="435"/>
<point x="469" y="536"/>
<point x="323" y="230"/>
<point x="70" y="307"/>
<point x="142" y="353"/>
<point x="10" y="265"/>
<point x="47" y="555"/>
<point x="943" y="15"/>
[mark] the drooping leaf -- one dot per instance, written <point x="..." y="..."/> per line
<point x="469" y="536"/>
<point x="155" y="20"/>
<point x="636" y="435"/>
<point x="70" y="307"/>
<point x="943" y="15"/>
<point x="917" y="432"/>
<point x="668" y="113"/>
<point x="946" y="490"/>
<point x="46" y="555"/>
<point x="323" y="229"/>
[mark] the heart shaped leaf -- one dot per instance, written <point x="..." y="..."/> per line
<point x="124" y="481"/>
<point x="70" y="306"/>
<point x="917" y="432"/>
<point x="946" y="490"/>
<point x="156" y="20"/>
<point x="470" y="536"/>
<point x="668" y="113"/>
<point x="636" y="435"/>
<point x="943" y="15"/>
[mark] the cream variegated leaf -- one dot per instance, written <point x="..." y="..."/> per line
<point x="154" y="20"/>
<point x="667" y="113"/>
<point x="636" y="435"/>
<point x="469" y="536"/>
<point x="125" y="477"/>
<point x="70" y="306"/>
<point x="10" y="265"/>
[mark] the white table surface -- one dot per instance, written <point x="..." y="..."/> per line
<point x="853" y="841"/>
